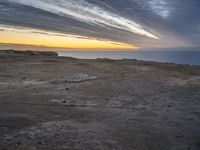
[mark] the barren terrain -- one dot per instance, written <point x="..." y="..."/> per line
<point x="55" y="103"/>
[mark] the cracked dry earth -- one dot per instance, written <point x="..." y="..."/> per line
<point x="52" y="103"/>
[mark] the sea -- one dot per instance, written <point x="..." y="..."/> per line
<point x="178" y="57"/>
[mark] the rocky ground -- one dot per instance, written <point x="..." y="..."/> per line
<point x="54" y="103"/>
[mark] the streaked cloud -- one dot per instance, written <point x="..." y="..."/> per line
<point x="89" y="13"/>
<point x="145" y="23"/>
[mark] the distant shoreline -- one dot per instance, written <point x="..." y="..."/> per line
<point x="110" y="55"/>
<point x="176" y="57"/>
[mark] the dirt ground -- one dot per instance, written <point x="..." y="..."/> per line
<point x="54" y="103"/>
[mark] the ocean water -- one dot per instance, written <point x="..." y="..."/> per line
<point x="178" y="57"/>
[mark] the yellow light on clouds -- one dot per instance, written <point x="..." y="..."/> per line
<point x="35" y="37"/>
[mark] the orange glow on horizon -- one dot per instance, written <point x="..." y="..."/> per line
<point x="19" y="36"/>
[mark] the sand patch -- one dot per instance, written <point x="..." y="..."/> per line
<point x="80" y="77"/>
<point x="141" y="68"/>
<point x="182" y="82"/>
<point x="75" y="79"/>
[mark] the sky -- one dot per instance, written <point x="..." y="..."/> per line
<point x="100" y="24"/>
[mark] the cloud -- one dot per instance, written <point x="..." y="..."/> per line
<point x="161" y="7"/>
<point x="145" y="23"/>
<point x="86" y="12"/>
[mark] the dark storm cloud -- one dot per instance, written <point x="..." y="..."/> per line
<point x="146" y="23"/>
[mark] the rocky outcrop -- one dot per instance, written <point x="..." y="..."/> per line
<point x="26" y="53"/>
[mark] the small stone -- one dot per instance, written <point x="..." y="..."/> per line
<point x="18" y="143"/>
<point x="23" y="78"/>
<point x="40" y="142"/>
<point x="67" y="89"/>
<point x="64" y="101"/>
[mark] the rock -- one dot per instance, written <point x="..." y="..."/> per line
<point x="23" y="78"/>
<point x="26" y="53"/>
<point x="18" y="143"/>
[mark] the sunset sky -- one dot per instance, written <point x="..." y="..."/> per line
<point x="100" y="24"/>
